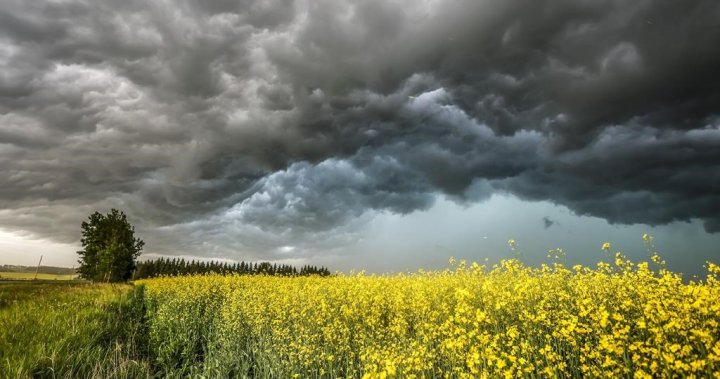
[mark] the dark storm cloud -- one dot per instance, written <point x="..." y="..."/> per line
<point x="284" y="122"/>
<point x="634" y="174"/>
<point x="548" y="222"/>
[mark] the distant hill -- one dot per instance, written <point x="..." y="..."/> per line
<point x="42" y="270"/>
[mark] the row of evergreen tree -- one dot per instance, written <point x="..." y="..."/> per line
<point x="175" y="267"/>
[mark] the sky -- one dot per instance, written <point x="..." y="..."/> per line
<point x="379" y="134"/>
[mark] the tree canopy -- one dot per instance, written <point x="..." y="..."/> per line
<point x="179" y="266"/>
<point x="110" y="248"/>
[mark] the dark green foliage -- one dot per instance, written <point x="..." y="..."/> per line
<point x="176" y="267"/>
<point x="109" y="248"/>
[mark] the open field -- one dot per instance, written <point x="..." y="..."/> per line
<point x="616" y="320"/>
<point x="30" y="275"/>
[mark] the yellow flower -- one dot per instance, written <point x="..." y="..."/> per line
<point x="509" y="319"/>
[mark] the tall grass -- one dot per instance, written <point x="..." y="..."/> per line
<point x="72" y="331"/>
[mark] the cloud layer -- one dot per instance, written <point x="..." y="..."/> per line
<point x="282" y="123"/>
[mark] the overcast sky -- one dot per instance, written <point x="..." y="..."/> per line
<point x="369" y="133"/>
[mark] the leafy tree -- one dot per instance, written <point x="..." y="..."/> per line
<point x="109" y="247"/>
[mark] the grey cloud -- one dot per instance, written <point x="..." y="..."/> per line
<point x="320" y="197"/>
<point x="294" y="119"/>
<point x="548" y="222"/>
<point x="634" y="174"/>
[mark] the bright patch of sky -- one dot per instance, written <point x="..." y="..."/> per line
<point x="427" y="239"/>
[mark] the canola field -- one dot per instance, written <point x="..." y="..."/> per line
<point x="618" y="320"/>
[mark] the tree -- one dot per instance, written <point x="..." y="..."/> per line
<point x="110" y="248"/>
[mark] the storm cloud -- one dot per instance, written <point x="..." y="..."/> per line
<point x="283" y="123"/>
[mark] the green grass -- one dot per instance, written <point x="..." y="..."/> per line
<point x="72" y="330"/>
<point x="4" y="275"/>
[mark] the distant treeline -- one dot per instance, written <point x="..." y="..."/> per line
<point x="41" y="270"/>
<point x="175" y="267"/>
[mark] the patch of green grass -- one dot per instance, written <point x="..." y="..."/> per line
<point x="5" y="275"/>
<point x="71" y="330"/>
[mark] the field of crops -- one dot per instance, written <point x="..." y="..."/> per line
<point x="71" y="330"/>
<point x="615" y="320"/>
<point x="32" y="276"/>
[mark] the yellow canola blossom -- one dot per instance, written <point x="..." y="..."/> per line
<point x="511" y="321"/>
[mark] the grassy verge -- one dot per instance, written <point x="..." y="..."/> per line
<point x="70" y="330"/>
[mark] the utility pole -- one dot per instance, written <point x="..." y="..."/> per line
<point x="38" y="268"/>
